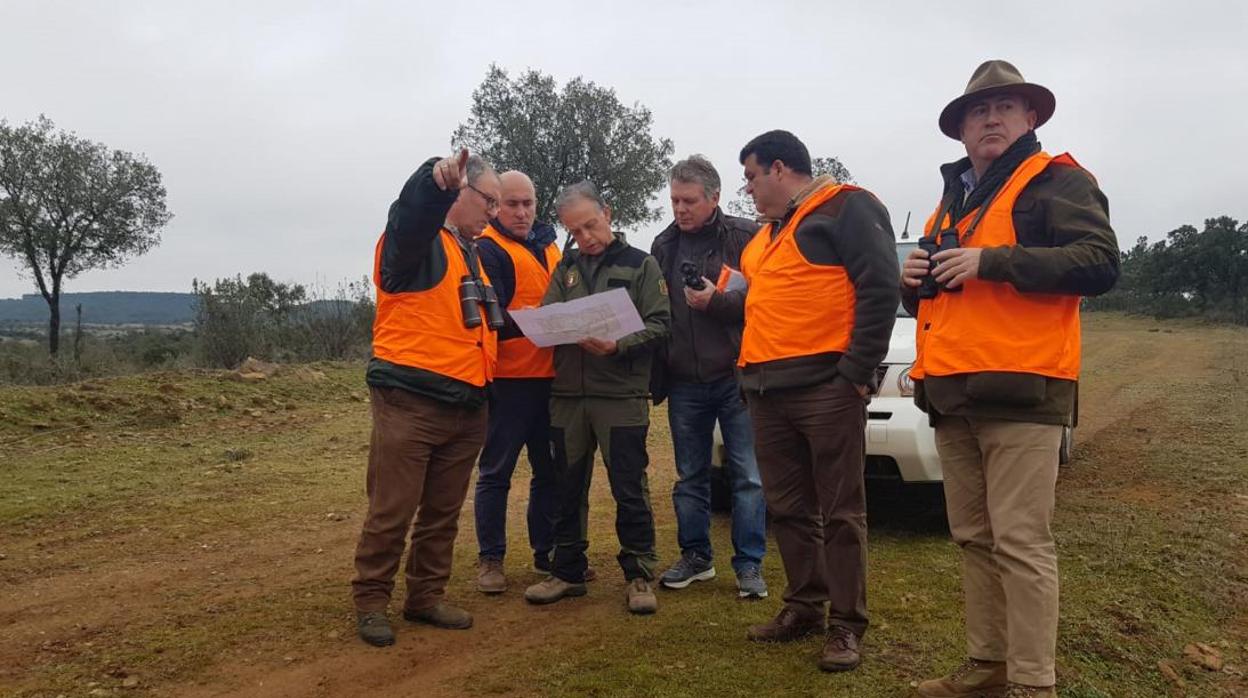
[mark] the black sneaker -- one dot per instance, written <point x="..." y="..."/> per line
<point x="690" y="568"/>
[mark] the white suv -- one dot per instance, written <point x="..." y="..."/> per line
<point x="901" y="445"/>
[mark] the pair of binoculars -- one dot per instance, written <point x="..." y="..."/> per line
<point x="474" y="293"/>
<point x="693" y="276"/>
<point x="946" y="239"/>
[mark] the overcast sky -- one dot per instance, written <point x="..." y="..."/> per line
<point x="284" y="129"/>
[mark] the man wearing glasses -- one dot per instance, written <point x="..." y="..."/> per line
<point x="433" y="354"/>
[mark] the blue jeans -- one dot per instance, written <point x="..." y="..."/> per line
<point x="519" y="418"/>
<point x="692" y="411"/>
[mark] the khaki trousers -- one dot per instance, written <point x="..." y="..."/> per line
<point x="420" y="460"/>
<point x="999" y="492"/>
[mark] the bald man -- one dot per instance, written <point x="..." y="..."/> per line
<point x="518" y="254"/>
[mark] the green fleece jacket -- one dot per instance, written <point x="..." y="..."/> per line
<point x="626" y="373"/>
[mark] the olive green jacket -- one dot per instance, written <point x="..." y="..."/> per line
<point x="626" y="373"/>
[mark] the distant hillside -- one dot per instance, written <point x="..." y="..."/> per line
<point x="104" y="308"/>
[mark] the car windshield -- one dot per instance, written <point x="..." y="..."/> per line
<point x="903" y="251"/>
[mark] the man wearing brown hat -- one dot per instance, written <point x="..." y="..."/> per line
<point x="1018" y="238"/>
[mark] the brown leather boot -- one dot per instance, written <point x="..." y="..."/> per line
<point x="974" y="678"/>
<point x="490" y="577"/>
<point x="840" y="650"/>
<point x="787" y="626"/>
<point x="551" y="589"/>
<point x="640" y="597"/>
<point x="443" y="615"/>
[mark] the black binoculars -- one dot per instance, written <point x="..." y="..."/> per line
<point x="693" y="276"/>
<point x="946" y="239"/>
<point x="474" y="293"/>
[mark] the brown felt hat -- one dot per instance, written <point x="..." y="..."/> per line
<point x="994" y="78"/>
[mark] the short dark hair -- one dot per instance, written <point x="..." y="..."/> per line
<point x="778" y="145"/>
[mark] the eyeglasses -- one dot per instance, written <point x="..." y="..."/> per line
<point x="491" y="204"/>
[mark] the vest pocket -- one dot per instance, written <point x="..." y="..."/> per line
<point x="1005" y="388"/>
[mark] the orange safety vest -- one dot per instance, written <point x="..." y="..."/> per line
<point x="794" y="308"/>
<point x="519" y="357"/>
<point x="988" y="325"/>
<point x="425" y="329"/>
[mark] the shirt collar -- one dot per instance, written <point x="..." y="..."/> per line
<point x="969" y="180"/>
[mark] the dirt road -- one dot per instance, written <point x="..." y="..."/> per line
<point x="199" y="544"/>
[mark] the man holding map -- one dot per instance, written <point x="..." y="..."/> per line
<point x="599" y="399"/>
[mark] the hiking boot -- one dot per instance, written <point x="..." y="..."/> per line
<point x="490" y="577"/>
<point x="1018" y="690"/>
<point x="788" y="625"/>
<point x="840" y="650"/>
<point x="641" y="598"/>
<point x="374" y="628"/>
<point x="750" y="584"/>
<point x="551" y="589"/>
<point x="974" y="678"/>
<point x="443" y="615"/>
<point x="690" y="568"/>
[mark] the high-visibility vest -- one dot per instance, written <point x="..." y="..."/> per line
<point x="794" y="308"/>
<point x="519" y="357"/>
<point x="989" y="325"/>
<point x="425" y="329"/>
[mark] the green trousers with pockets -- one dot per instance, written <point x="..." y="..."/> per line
<point x="617" y="427"/>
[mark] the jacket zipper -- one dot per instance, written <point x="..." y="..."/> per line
<point x="592" y="282"/>
<point x="693" y="336"/>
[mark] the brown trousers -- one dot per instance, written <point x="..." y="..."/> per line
<point x="420" y="461"/>
<point x="811" y="450"/>
<point x="1000" y="478"/>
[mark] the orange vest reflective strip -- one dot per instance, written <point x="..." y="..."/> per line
<point x="425" y="329"/>
<point x="794" y="308"/>
<point x="990" y="326"/>
<point x="519" y="357"/>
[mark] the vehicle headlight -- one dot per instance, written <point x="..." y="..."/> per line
<point x="905" y="384"/>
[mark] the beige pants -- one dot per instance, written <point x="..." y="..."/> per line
<point x="999" y="490"/>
